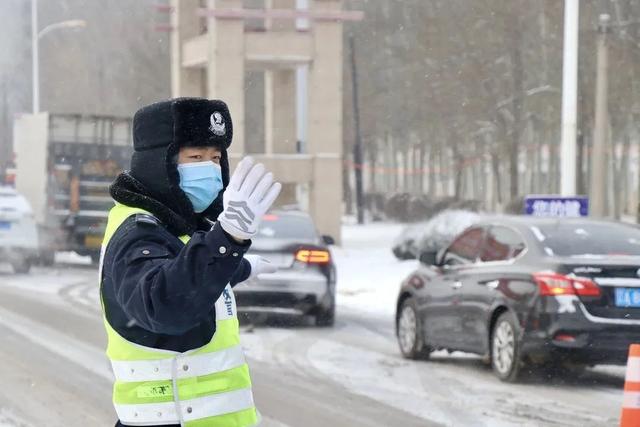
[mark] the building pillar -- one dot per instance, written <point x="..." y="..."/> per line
<point x="225" y="73"/>
<point x="325" y="121"/>
<point x="185" y="24"/>
<point x="280" y="112"/>
<point x="280" y="92"/>
<point x="280" y="103"/>
<point x="280" y="122"/>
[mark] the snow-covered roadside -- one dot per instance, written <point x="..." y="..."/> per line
<point x="369" y="275"/>
<point x="460" y="391"/>
<point x="8" y="419"/>
<point x="45" y="281"/>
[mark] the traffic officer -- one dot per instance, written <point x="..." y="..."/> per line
<point x="173" y="248"/>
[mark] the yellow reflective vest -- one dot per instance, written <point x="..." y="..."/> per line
<point x="208" y="386"/>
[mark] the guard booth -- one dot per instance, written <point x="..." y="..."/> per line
<point x="214" y="48"/>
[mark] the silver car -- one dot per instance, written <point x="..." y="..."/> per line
<point x="305" y="283"/>
<point x="18" y="231"/>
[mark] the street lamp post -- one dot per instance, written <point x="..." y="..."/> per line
<point x="569" y="98"/>
<point x="35" y="39"/>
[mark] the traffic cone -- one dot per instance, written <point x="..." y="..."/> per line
<point x="631" y="400"/>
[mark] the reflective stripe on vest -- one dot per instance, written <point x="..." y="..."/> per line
<point x="205" y="387"/>
<point x="195" y="410"/>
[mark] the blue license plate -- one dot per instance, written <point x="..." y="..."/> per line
<point x="627" y="297"/>
<point x="5" y="225"/>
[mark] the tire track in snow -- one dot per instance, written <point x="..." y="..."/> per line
<point x="453" y="389"/>
<point x="291" y="350"/>
<point x="8" y="419"/>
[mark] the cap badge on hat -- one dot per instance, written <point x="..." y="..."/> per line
<point x="218" y="126"/>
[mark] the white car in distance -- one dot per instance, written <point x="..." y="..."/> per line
<point x="18" y="231"/>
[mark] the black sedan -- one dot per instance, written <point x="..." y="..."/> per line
<point x="525" y="290"/>
<point x="305" y="282"/>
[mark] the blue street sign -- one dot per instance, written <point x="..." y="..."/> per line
<point x="556" y="206"/>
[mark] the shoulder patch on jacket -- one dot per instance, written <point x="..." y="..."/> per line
<point x="145" y="219"/>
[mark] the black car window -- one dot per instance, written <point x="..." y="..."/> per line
<point x="576" y="239"/>
<point x="465" y="247"/>
<point x="287" y="226"/>
<point x="501" y="244"/>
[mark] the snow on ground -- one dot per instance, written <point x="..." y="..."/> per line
<point x="459" y="390"/>
<point x="8" y="419"/>
<point x="72" y="258"/>
<point x="47" y="281"/>
<point x="369" y="275"/>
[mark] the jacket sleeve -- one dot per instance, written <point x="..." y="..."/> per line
<point x="242" y="273"/>
<point x="170" y="291"/>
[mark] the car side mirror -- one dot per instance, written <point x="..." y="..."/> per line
<point x="429" y="257"/>
<point x="328" y="240"/>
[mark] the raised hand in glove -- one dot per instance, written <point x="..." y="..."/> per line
<point x="250" y="194"/>
<point x="259" y="265"/>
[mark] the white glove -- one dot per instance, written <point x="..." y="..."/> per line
<point x="259" y="265"/>
<point x="248" y="197"/>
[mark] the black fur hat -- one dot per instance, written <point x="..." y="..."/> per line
<point x="159" y="131"/>
<point x="183" y="122"/>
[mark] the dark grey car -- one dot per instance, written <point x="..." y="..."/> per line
<point x="305" y="283"/>
<point x="523" y="290"/>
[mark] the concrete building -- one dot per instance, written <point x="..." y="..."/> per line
<point x="216" y="45"/>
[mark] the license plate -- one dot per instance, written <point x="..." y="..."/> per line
<point x="627" y="297"/>
<point x="5" y="225"/>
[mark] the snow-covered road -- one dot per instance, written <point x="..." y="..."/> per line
<point x="348" y="375"/>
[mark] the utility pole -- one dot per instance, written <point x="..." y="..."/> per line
<point x="35" y="67"/>
<point x="599" y="154"/>
<point x="569" y="98"/>
<point x="357" y="147"/>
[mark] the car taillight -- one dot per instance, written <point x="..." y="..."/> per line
<point x="559" y="284"/>
<point x="564" y="337"/>
<point x="313" y="256"/>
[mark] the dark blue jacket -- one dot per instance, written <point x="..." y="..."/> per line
<point x="159" y="292"/>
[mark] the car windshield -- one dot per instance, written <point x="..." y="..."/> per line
<point x="583" y="240"/>
<point x="286" y="227"/>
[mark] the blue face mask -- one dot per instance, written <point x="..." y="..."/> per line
<point x="201" y="182"/>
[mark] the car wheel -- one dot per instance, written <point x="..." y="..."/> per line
<point x="326" y="318"/>
<point x="21" y="266"/>
<point x="95" y="258"/>
<point x="505" y="349"/>
<point x="47" y="258"/>
<point x="410" y="333"/>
